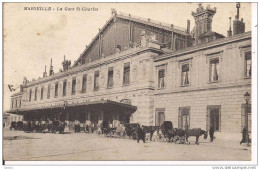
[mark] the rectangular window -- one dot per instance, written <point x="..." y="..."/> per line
<point x="161" y="75"/>
<point x="30" y="95"/>
<point x="214" y="70"/>
<point x="64" y="87"/>
<point x="248" y="64"/>
<point x="42" y="90"/>
<point x="16" y="103"/>
<point x="185" y="75"/>
<point x="56" y="89"/>
<point x="12" y="103"/>
<point x="159" y="117"/>
<point x="35" y="94"/>
<point x="96" y="80"/>
<point x="49" y="91"/>
<point x="213" y="117"/>
<point x="20" y="102"/>
<point x="73" y="89"/>
<point x="84" y="83"/>
<point x="126" y="79"/>
<point x="246" y="109"/>
<point x="110" y="77"/>
<point x="184" y="118"/>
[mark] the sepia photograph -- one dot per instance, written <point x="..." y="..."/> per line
<point x="129" y="82"/>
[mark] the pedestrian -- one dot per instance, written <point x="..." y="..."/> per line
<point x="244" y="135"/>
<point x="140" y="134"/>
<point x="211" y="132"/>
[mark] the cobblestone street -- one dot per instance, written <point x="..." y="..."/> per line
<point x="36" y="146"/>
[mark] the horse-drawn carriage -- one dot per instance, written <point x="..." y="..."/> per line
<point x="131" y="130"/>
<point x="166" y="132"/>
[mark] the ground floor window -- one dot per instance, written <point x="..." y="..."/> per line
<point x="214" y="117"/>
<point x="184" y="118"/>
<point x="159" y="116"/>
<point x="243" y="117"/>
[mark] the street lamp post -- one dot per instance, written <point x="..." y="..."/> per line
<point x="247" y="98"/>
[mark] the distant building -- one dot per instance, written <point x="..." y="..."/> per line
<point x="140" y="70"/>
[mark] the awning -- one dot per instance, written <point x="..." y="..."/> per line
<point x="103" y="105"/>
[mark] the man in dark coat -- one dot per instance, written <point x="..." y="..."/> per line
<point x="141" y="134"/>
<point x="211" y="132"/>
<point x="244" y="135"/>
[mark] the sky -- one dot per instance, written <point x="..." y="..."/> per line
<point x="32" y="38"/>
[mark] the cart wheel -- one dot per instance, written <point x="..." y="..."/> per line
<point x="134" y="136"/>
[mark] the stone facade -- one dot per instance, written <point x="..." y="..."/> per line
<point x="193" y="87"/>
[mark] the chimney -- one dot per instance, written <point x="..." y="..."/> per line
<point x="229" y="32"/>
<point x="188" y="26"/>
<point x="51" y="68"/>
<point x="45" y="73"/>
<point x="238" y="25"/>
<point x="66" y="64"/>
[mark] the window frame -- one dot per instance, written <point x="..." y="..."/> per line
<point x="128" y="70"/>
<point x="56" y="90"/>
<point x="64" y="90"/>
<point x="73" y="86"/>
<point x="157" y="111"/>
<point x="209" y="107"/>
<point x="159" y="78"/>
<point x="210" y="69"/>
<point x="245" y="63"/>
<point x="189" y="75"/>
<point x="42" y="92"/>
<point x="35" y="93"/>
<point x="49" y="91"/>
<point x="110" y="76"/>
<point x="96" y="80"/>
<point x="30" y="95"/>
<point x="84" y="83"/>
<point x="180" y="117"/>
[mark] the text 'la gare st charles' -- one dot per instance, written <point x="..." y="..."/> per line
<point x="60" y="9"/>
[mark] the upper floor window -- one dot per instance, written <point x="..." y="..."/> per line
<point x="30" y="95"/>
<point x="42" y="90"/>
<point x="110" y="77"/>
<point x="96" y="80"/>
<point x="16" y="103"/>
<point x="12" y="105"/>
<point x="126" y="79"/>
<point x="84" y="83"/>
<point x="248" y="64"/>
<point x="64" y="87"/>
<point x="214" y="70"/>
<point x="49" y="91"/>
<point x="56" y="89"/>
<point x="35" y="94"/>
<point x="161" y="76"/>
<point x="185" y="75"/>
<point x="20" y="102"/>
<point x="73" y="89"/>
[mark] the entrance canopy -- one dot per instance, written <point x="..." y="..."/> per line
<point x="105" y="105"/>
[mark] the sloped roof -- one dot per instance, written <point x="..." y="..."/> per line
<point x="153" y="23"/>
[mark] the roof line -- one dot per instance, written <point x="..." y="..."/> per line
<point x="199" y="47"/>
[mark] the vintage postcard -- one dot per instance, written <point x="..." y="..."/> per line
<point x="129" y="82"/>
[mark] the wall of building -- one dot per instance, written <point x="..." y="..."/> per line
<point x="228" y="92"/>
<point x="139" y="90"/>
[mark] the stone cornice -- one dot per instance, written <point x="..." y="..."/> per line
<point x="107" y="60"/>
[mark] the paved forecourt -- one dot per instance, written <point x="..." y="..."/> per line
<point x="37" y="146"/>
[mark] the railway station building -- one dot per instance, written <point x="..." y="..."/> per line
<point x="142" y="71"/>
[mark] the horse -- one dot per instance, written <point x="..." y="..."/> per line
<point x="197" y="132"/>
